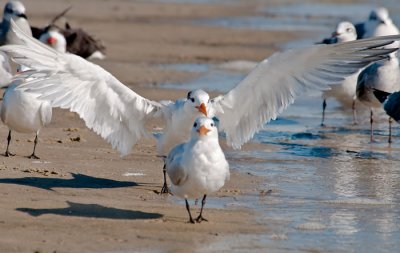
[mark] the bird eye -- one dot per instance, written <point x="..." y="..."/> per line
<point x="192" y="99"/>
<point x="195" y="124"/>
<point x="212" y="124"/>
<point x="348" y="29"/>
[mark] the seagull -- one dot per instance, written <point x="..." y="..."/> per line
<point x="198" y="167"/>
<point x="346" y="90"/>
<point x="24" y="113"/>
<point x="383" y="75"/>
<point x="14" y="10"/>
<point x="390" y="102"/>
<point x="119" y="115"/>
<point x="378" y="24"/>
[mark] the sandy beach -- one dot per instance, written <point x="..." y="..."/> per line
<point x="76" y="198"/>
<point x="82" y="197"/>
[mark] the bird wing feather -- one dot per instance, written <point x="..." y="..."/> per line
<point x="276" y="82"/>
<point x="68" y="81"/>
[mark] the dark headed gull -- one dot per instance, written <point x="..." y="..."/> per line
<point x="383" y="75"/>
<point x="119" y="115"/>
<point x="14" y="10"/>
<point x="344" y="92"/>
<point x="378" y="24"/>
<point x="24" y="113"/>
<point x="198" y="167"/>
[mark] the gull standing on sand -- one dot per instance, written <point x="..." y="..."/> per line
<point x="119" y="115"/>
<point x="198" y="167"/>
<point x="378" y="24"/>
<point x="345" y="92"/>
<point x="383" y="75"/>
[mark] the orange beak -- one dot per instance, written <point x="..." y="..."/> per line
<point x="51" y="40"/>
<point x="203" y="130"/>
<point x="202" y="109"/>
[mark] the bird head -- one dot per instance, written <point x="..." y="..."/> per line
<point x="197" y="101"/>
<point x="345" y="31"/>
<point x="14" y="9"/>
<point x="380" y="15"/>
<point x="53" y="38"/>
<point x="204" y="127"/>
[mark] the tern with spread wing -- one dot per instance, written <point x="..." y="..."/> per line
<point x="119" y="114"/>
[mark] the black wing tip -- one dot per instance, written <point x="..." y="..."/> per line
<point x="381" y="95"/>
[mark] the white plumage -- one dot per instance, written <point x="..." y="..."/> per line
<point x="345" y="92"/>
<point x="24" y="113"/>
<point x="378" y="24"/>
<point x="198" y="167"/>
<point x="53" y="38"/>
<point x="383" y="75"/>
<point x="119" y="115"/>
<point x="14" y="10"/>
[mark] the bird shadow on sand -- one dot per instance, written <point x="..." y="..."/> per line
<point x="92" y="211"/>
<point x="77" y="181"/>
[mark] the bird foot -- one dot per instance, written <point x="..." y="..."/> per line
<point x="165" y="189"/>
<point x="323" y="125"/>
<point x="191" y="221"/>
<point x="200" y="219"/>
<point x="8" y="154"/>
<point x="33" y="156"/>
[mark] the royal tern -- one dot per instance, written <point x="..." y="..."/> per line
<point x="119" y="115"/>
<point x="55" y="39"/>
<point x="198" y="167"/>
<point x="24" y="113"/>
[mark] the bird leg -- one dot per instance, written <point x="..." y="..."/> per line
<point x="371" y="120"/>
<point x="200" y="217"/>
<point x="353" y="107"/>
<point x="165" y="188"/>
<point x="323" y="112"/>
<point x="8" y="153"/>
<point x="33" y="156"/>
<point x="190" y="215"/>
<point x="390" y="130"/>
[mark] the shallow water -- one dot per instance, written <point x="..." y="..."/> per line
<point x="331" y="190"/>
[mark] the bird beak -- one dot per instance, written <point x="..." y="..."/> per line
<point x="203" y="130"/>
<point x="335" y="34"/>
<point x="22" y="15"/>
<point x="51" y="40"/>
<point x="202" y="108"/>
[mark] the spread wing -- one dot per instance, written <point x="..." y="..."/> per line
<point x="277" y="81"/>
<point x="106" y="105"/>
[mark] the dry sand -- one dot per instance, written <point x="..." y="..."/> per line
<point x="76" y="199"/>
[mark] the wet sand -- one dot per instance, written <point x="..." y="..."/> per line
<point x="76" y="198"/>
<point x="79" y="197"/>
